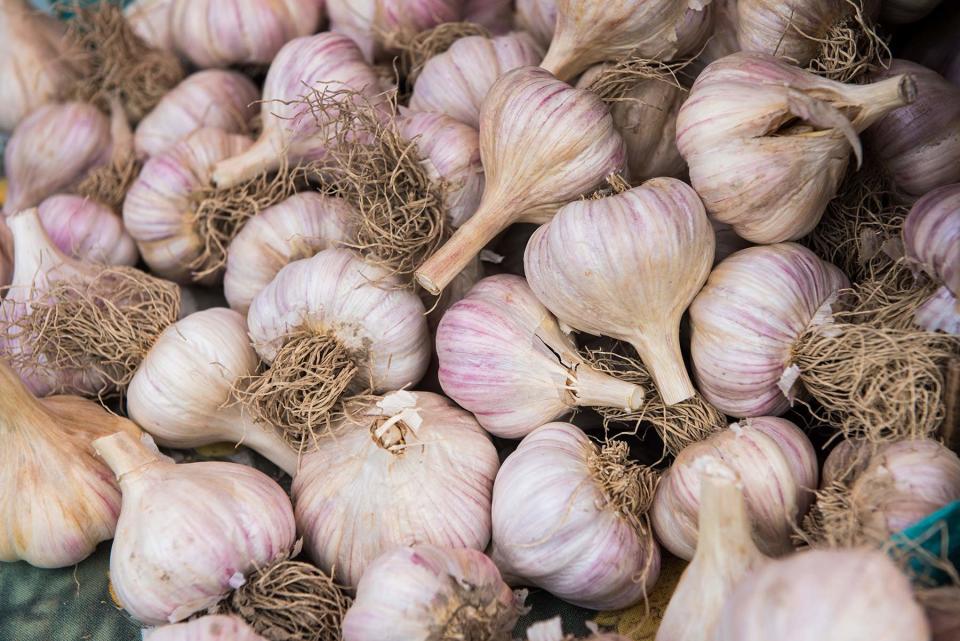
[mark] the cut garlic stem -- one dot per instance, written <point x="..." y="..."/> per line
<point x="124" y="454"/>
<point x="592" y="388"/>
<point x="664" y="360"/>
<point x="259" y="159"/>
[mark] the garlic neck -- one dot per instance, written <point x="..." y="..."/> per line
<point x="662" y="356"/>
<point x="724" y="532"/>
<point x="267" y="442"/>
<point x="880" y="98"/>
<point x="262" y="157"/>
<point x="19" y="410"/>
<point x="591" y="388"/>
<point x="34" y="253"/>
<point x="124" y="454"/>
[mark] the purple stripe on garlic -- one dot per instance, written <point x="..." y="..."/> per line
<point x="87" y="230"/>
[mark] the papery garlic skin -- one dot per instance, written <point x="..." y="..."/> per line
<point x="777" y="466"/>
<point x="377" y="26"/>
<point x="627" y="266"/>
<point x="854" y="595"/>
<point x="150" y="19"/>
<point x="411" y="592"/>
<point x="906" y="11"/>
<point x="183" y="391"/>
<point x="51" y="150"/>
<point x="746" y="320"/>
<point x="87" y="230"/>
<point x="554" y="526"/>
<point x="211" y="98"/>
<point x="539" y="18"/>
<point x="213" y="627"/>
<point x="456" y="82"/>
<point x="214" y="33"/>
<point x="189" y="533"/>
<point x="731" y="127"/>
<point x="495" y="15"/>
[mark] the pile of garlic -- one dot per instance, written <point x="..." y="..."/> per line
<point x="547" y="309"/>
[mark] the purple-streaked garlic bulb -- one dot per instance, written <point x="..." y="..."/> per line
<point x="296" y="228"/>
<point x="379" y="26"/>
<point x="405" y="469"/>
<point x="767" y="143"/>
<point x="919" y="145"/>
<point x="456" y="82"/>
<point x="627" y="266"/>
<point x="213" y="627"/>
<point x="325" y="63"/>
<point x="504" y="357"/>
<point x="539" y="18"/>
<point x="212" y="98"/>
<point x="218" y="33"/>
<point x="571" y="518"/>
<point x="150" y="19"/>
<point x="51" y="150"/>
<point x="543" y="144"/>
<point x="722" y="42"/>
<point x="495" y="15"/>
<point x="414" y="592"/>
<point x="906" y="11"/>
<point x="777" y="466"/>
<point x="87" y="230"/>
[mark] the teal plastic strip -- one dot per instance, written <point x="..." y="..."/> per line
<point x="928" y="544"/>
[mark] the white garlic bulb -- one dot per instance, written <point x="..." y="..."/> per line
<point x="777" y="466"/>
<point x="539" y="18"/>
<point x="570" y="518"/>
<point x="87" y="230"/>
<point x="150" y="19"/>
<point x="627" y="266"/>
<point x="504" y="357"/>
<point x="456" y="81"/>
<point x="189" y="533"/>
<point x="415" y="593"/>
<point x="213" y="627"/>
<point x="378" y="26"/>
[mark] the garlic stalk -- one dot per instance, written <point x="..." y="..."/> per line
<point x="150" y="19"/>
<point x="627" y="266"/>
<point x="543" y="143"/>
<point x="495" y="15"/>
<point x="504" y="357"/>
<point x="428" y="592"/>
<point x="57" y="499"/>
<point x="87" y="230"/>
<point x="906" y="11"/>
<point x="213" y="627"/>
<point x="539" y="18"/>
<point x="754" y="115"/>
<point x="571" y="518"/>
<point x="778" y="468"/>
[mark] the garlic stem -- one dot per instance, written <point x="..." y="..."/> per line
<point x="124" y="454"/>
<point x="664" y="361"/>
<point x="259" y="159"/>
<point x="563" y="61"/>
<point x="18" y="407"/>
<point x="36" y="258"/>
<point x="723" y="522"/>
<point x="269" y="443"/>
<point x="592" y="388"/>
<point x="880" y="98"/>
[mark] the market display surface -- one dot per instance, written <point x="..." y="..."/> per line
<point x="480" y="320"/>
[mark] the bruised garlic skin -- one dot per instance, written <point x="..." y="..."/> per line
<point x="211" y="98"/>
<point x="854" y="595"/>
<point x="456" y="82"/>
<point x="51" y="150"/>
<point x="150" y="19"/>
<point x="411" y="593"/>
<point x="57" y="499"/>
<point x="627" y="266"/>
<point x="556" y="526"/>
<point x="767" y="143"/>
<point x="539" y="18"/>
<point x="87" y="230"/>
<point x="183" y="391"/>
<point x="777" y="466"/>
<point x="378" y="26"/>
<point x="504" y="357"/>
<point x="189" y="533"/>
<point x="213" y="627"/>
<point x="409" y="468"/>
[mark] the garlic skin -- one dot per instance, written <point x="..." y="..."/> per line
<point x="539" y="18"/>
<point x="554" y="525"/>
<point x="777" y="466"/>
<point x="456" y="82"/>
<point x="732" y="126"/>
<point x="158" y="209"/>
<point x="504" y="357"/>
<point x="296" y="228"/>
<point x="211" y="98"/>
<point x="495" y="15"/>
<point x="906" y="11"/>
<point x="409" y="468"/>
<point x="919" y="145"/>
<point x="189" y="533"/>
<point x="410" y="593"/>
<point x="51" y="150"/>
<point x="212" y="33"/>
<point x="6" y="253"/>
<point x="57" y="499"/>
<point x="183" y="391"/>
<point x="377" y="26"/>
<point x="87" y="230"/>
<point x="627" y="266"/>
<point x="150" y="19"/>
<point x="213" y="627"/>
<point x="854" y="595"/>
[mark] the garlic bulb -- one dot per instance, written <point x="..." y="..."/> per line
<point x="150" y="19"/>
<point x="212" y="33"/>
<point x="417" y="593"/>
<point x="295" y="228"/>
<point x="87" y="230"/>
<point x="213" y="627"/>
<point x="504" y="357"/>
<point x="919" y="145"/>
<point x="627" y="266"/>
<point x="751" y="114"/>
<point x="6" y="253"/>
<point x="906" y="11"/>
<point x="539" y="18"/>
<point x="57" y="500"/>
<point x="456" y="82"/>
<point x="325" y="64"/>
<point x="854" y="595"/>
<point x="589" y="32"/>
<point x="189" y="533"/>
<point x="183" y="391"/>
<point x="722" y="42"/>
<point x="778" y="468"/>
<point x="495" y="15"/>
<point x="378" y="26"/>
<point x="212" y="98"/>
<point x="51" y="150"/>
<point x="570" y="517"/>
<point x="543" y="143"/>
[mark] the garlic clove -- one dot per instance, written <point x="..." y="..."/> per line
<point x="539" y="18"/>
<point x="213" y="627"/>
<point x="150" y="19"/>
<point x="87" y="230"/>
